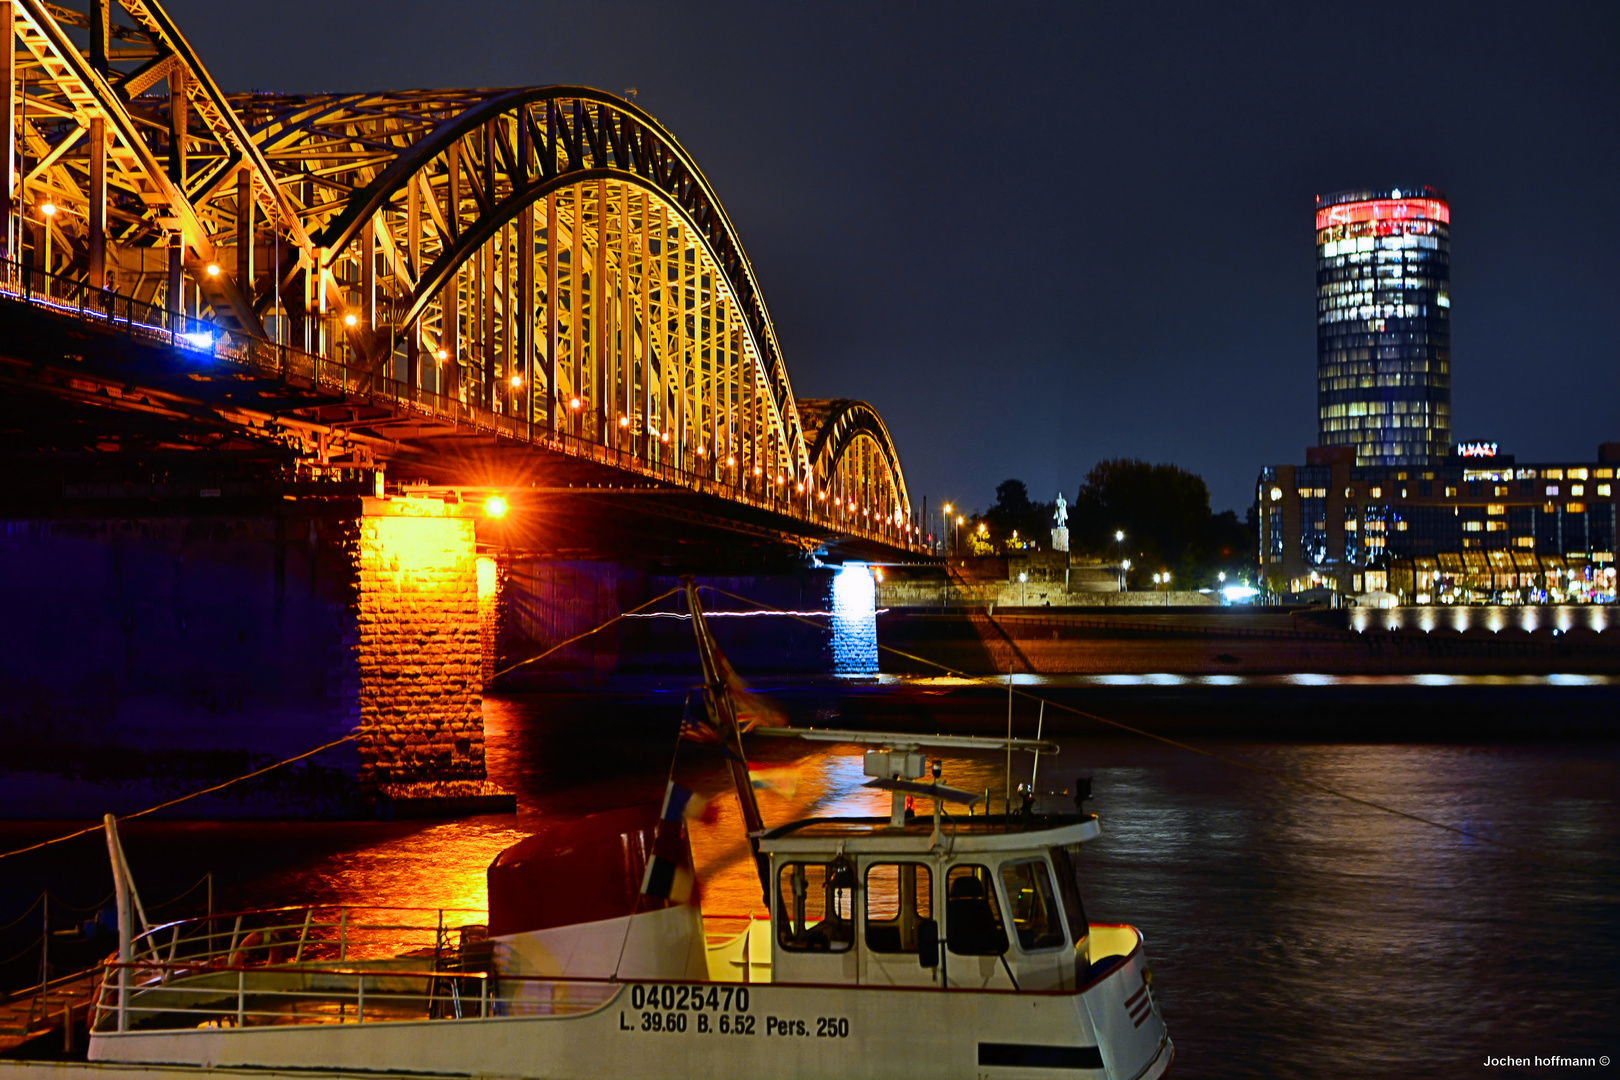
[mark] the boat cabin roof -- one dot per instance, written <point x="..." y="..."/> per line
<point x="987" y="833"/>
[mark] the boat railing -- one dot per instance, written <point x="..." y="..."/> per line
<point x="153" y="995"/>
<point x="424" y="961"/>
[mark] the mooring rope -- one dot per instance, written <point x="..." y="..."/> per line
<point x="184" y="798"/>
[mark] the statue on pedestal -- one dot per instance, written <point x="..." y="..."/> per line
<point x="1060" y="531"/>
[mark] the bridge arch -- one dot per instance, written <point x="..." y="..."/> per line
<point x="549" y="260"/>
<point x="854" y="460"/>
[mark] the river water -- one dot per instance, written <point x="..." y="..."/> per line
<point x="1293" y="933"/>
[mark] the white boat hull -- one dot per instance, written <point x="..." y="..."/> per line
<point x="672" y="1031"/>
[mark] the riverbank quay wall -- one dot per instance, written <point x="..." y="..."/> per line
<point x="165" y="640"/>
<point x="1226" y="641"/>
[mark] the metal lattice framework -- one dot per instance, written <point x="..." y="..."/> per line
<point x="549" y="255"/>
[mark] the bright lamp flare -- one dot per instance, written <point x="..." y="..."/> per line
<point x="213" y="269"/>
<point x="350" y="319"/>
<point x="517" y="381"/>
<point x="495" y="506"/>
<point x="48" y="209"/>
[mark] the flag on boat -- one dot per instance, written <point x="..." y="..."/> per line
<point x="696" y="725"/>
<point x="668" y="873"/>
<point x="781" y="779"/>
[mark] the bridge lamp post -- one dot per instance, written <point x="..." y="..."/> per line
<point x="1119" y="544"/>
<point x="1124" y="568"/>
<point x="48" y="209"/>
<point x="956" y="536"/>
<point x="946" y="523"/>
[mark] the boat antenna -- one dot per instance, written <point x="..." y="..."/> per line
<point x="723" y="714"/>
<point x="1035" y="769"/>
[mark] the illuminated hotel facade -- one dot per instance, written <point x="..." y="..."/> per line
<point x="1477" y="523"/>
<point x="1383" y="324"/>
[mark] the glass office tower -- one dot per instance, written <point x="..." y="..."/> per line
<point x="1383" y="324"/>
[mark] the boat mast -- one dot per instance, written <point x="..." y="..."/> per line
<point x="723" y="714"/>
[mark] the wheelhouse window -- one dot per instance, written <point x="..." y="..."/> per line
<point x="815" y="905"/>
<point x="973" y="924"/>
<point x="1033" y="905"/>
<point x="1068" y="875"/>
<point x="898" y="896"/>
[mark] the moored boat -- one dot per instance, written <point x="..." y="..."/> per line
<point x="921" y="944"/>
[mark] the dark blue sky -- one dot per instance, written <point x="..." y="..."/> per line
<point x="1034" y="236"/>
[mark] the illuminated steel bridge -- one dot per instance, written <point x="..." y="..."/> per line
<point x="539" y="281"/>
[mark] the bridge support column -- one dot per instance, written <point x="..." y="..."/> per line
<point x="420" y="653"/>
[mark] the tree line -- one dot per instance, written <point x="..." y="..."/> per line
<point x="1163" y="510"/>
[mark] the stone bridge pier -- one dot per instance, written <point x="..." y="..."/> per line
<point x="425" y="606"/>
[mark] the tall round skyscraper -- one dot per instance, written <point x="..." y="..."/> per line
<point x="1383" y="324"/>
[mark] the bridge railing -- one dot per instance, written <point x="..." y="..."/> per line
<point x="150" y="324"/>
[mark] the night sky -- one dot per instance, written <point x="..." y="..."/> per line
<point x="1034" y="236"/>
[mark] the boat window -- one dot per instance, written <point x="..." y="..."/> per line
<point x="815" y="906"/>
<point x="897" y="896"/>
<point x="1033" y="906"/>
<point x="1068" y="875"/>
<point x="972" y="917"/>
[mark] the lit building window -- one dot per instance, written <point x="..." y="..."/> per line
<point x="1400" y="526"/>
<point x="1574" y="508"/>
<point x="1524" y="541"/>
<point x="1499" y="491"/>
<point x="1552" y="474"/>
<point x="1604" y="489"/>
<point x="1552" y="489"/>
<point x="1577" y="489"/>
<point x="1276" y="494"/>
<point x="1577" y="474"/>
<point x="1377" y="492"/>
<point x="1602" y="474"/>
<point x="1473" y="526"/>
<point x="1451" y="493"/>
<point x="1496" y="509"/>
<point x="1495" y="526"/>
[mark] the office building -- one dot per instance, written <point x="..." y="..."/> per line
<point x="1383" y="324"/>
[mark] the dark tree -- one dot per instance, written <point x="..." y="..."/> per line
<point x="1016" y="511"/>
<point x="1164" y="512"/>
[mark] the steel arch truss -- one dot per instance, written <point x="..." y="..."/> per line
<point x="546" y="252"/>
<point x="547" y="263"/>
<point x="856" y="466"/>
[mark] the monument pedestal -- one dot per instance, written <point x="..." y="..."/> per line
<point x="1060" y="538"/>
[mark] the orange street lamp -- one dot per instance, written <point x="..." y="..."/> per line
<point x="495" y="506"/>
